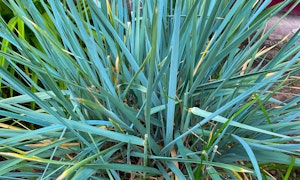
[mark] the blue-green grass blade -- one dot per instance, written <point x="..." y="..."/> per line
<point x="175" y="170"/>
<point x="211" y="171"/>
<point x="30" y="134"/>
<point x="130" y="58"/>
<point x="205" y="114"/>
<point x="76" y="165"/>
<point x="181" y="149"/>
<point x="172" y="85"/>
<point x="125" y="168"/>
<point x="284" y="148"/>
<point x="251" y="156"/>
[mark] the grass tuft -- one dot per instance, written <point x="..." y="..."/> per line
<point x="145" y="89"/>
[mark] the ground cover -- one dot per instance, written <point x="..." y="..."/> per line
<point x="164" y="92"/>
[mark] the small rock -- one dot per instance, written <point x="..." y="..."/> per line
<point x="288" y="26"/>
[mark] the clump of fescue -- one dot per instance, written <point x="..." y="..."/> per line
<point x="161" y="90"/>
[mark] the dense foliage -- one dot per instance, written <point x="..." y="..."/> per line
<point x="148" y="89"/>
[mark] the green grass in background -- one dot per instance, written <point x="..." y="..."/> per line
<point x="164" y="92"/>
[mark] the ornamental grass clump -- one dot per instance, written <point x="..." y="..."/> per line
<point x="148" y="89"/>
